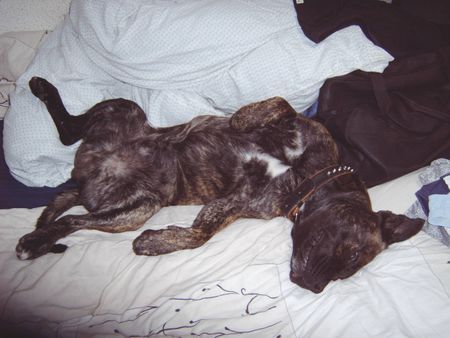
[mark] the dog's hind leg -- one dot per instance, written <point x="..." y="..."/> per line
<point x="43" y="239"/>
<point x="212" y="218"/>
<point x="62" y="202"/>
<point x="261" y="114"/>
<point x="70" y="128"/>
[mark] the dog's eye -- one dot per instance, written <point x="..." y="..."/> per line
<point x="353" y="256"/>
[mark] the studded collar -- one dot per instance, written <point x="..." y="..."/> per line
<point x="310" y="185"/>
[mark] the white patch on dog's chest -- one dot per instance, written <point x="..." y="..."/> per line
<point x="274" y="166"/>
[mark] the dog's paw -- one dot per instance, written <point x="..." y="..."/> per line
<point x="164" y="241"/>
<point x="153" y="243"/>
<point x="41" y="88"/>
<point x="32" y="246"/>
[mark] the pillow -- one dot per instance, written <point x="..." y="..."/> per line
<point x="14" y="194"/>
<point x="177" y="59"/>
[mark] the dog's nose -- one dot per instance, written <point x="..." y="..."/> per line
<point x="316" y="288"/>
<point x="300" y="281"/>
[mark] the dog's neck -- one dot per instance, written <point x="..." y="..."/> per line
<point x="310" y="185"/>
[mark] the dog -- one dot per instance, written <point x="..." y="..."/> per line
<point x="262" y="162"/>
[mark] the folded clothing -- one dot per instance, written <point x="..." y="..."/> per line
<point x="439" y="210"/>
<point x="437" y="169"/>
<point x="437" y="187"/>
<point x="177" y="60"/>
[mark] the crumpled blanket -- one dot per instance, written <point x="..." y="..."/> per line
<point x="177" y="60"/>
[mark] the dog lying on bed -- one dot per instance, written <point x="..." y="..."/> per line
<point x="264" y="161"/>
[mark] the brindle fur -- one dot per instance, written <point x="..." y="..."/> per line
<point x="126" y="170"/>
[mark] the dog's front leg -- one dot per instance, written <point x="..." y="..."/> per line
<point x="212" y="218"/>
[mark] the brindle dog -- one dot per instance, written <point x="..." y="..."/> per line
<point x="264" y="161"/>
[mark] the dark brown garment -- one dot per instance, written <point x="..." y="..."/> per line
<point x="403" y="28"/>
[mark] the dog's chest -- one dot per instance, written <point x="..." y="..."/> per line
<point x="270" y="166"/>
<point x="274" y="163"/>
<point x="242" y="166"/>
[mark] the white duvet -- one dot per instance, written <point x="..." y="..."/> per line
<point x="177" y="59"/>
<point x="235" y="285"/>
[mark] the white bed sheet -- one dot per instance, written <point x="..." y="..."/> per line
<point x="235" y="285"/>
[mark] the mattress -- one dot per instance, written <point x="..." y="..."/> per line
<point x="237" y="284"/>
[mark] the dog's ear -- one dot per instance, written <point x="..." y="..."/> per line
<point x="397" y="228"/>
<point x="260" y="114"/>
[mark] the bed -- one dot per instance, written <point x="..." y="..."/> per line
<point x="237" y="284"/>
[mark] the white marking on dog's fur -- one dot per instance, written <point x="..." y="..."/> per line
<point x="24" y="255"/>
<point x="274" y="166"/>
<point x="297" y="150"/>
<point x="143" y="151"/>
<point x="115" y="166"/>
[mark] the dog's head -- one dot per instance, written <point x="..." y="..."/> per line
<point x="339" y="236"/>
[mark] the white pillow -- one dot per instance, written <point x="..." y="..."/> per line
<point x="177" y="59"/>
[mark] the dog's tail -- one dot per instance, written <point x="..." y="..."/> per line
<point x="70" y="128"/>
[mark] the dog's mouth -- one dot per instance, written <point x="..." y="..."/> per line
<point x="312" y="274"/>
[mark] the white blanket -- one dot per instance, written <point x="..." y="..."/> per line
<point x="237" y="284"/>
<point x="177" y="59"/>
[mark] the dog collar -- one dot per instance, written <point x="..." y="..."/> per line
<point x="310" y="185"/>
